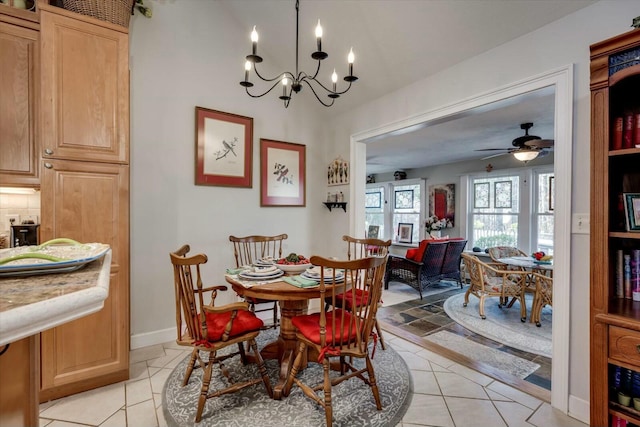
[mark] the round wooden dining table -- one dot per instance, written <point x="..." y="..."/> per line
<point x="293" y="301"/>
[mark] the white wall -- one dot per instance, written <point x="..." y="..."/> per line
<point x="191" y="55"/>
<point x="558" y="44"/>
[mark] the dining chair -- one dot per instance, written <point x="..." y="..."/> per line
<point x="490" y="280"/>
<point x="543" y="295"/>
<point x="247" y="250"/>
<point x="498" y="252"/>
<point x="339" y="333"/>
<point x="208" y="328"/>
<point x="362" y="248"/>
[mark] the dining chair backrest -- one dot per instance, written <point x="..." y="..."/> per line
<point x="362" y="248"/>
<point x="249" y="249"/>
<point x="360" y="276"/>
<point x="498" y="252"/>
<point x="452" y="259"/>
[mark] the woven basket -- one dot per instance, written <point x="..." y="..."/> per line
<point x="115" y="11"/>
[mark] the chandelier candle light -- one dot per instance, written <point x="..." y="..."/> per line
<point x="293" y="82"/>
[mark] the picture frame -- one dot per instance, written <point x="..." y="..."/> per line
<point x="373" y="231"/>
<point x="338" y="172"/>
<point x="224" y="149"/>
<point x="282" y="173"/>
<point x="632" y="211"/>
<point x="442" y="202"/>
<point x="502" y="194"/>
<point x="405" y="232"/>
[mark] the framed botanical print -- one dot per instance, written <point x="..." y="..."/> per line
<point x="224" y="149"/>
<point x="282" y="173"/>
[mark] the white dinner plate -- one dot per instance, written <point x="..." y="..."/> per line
<point x="249" y="276"/>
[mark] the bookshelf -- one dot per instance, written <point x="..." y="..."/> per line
<point x="615" y="170"/>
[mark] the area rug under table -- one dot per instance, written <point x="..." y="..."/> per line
<point x="353" y="403"/>
<point x="503" y="324"/>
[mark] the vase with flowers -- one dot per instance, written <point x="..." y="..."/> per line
<point x="433" y="225"/>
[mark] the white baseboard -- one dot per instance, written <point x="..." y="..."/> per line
<point x="579" y="409"/>
<point x="153" y="338"/>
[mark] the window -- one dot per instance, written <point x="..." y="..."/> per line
<point x="387" y="205"/>
<point x="505" y="210"/>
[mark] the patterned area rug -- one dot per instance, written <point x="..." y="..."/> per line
<point x="506" y="362"/>
<point x="503" y="324"/>
<point x="353" y="403"/>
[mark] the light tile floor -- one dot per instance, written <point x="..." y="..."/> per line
<point x="445" y="394"/>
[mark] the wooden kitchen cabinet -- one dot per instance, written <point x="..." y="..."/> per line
<point x="19" y="71"/>
<point x="85" y="88"/>
<point x="85" y="188"/>
<point x="615" y="170"/>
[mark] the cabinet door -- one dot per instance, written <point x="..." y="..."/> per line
<point x="85" y="90"/>
<point x="18" y="85"/>
<point x="88" y="202"/>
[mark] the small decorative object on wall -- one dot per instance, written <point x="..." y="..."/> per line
<point x="373" y="231"/>
<point x="338" y="172"/>
<point x="632" y="209"/>
<point x="405" y="232"/>
<point x="224" y="149"/>
<point x="282" y="173"/>
<point x="502" y="194"/>
<point x="442" y="202"/>
<point x="636" y="22"/>
<point x="371" y="179"/>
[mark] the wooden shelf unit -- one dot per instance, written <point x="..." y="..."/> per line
<point x="331" y="205"/>
<point x="615" y="322"/>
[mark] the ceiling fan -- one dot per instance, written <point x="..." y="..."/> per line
<point x="526" y="147"/>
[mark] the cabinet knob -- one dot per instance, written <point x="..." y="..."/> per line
<point x="48" y="151"/>
<point x="48" y="165"/>
<point x="638" y="348"/>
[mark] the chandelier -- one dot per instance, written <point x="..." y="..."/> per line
<point x="293" y="82"/>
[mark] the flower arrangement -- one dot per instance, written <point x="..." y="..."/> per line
<point x="433" y="223"/>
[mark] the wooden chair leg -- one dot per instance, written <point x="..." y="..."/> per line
<point x="286" y="389"/>
<point x="481" y="308"/>
<point x="206" y="380"/>
<point x="328" y="409"/>
<point x="373" y="384"/>
<point x="192" y="363"/>
<point x="261" y="368"/>
<point x="379" y="332"/>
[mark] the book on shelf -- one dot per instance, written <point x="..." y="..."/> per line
<point x="619" y="274"/>
<point x="627" y="276"/>
<point x="635" y="274"/>
<point x="636" y="130"/>
<point x="616" y="142"/>
<point x="628" y="131"/>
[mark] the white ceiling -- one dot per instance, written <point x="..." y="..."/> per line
<point x="398" y="42"/>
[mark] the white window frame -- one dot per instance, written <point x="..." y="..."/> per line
<point x="388" y="203"/>
<point x="528" y="211"/>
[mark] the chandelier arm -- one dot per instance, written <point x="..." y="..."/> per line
<point x="316" y="95"/>
<point x="278" y="77"/>
<point x="260" y="96"/>
<point x="346" y="90"/>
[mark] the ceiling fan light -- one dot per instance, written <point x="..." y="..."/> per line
<point x="525" y="155"/>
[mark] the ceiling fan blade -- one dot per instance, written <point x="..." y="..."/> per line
<point x="540" y="143"/>
<point x="493" y="149"/>
<point x="494" y="155"/>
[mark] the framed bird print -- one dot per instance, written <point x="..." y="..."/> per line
<point x="224" y="149"/>
<point x="282" y="173"/>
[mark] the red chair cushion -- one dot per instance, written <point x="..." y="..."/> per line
<point x="416" y="254"/>
<point x="345" y="300"/>
<point x="309" y="326"/>
<point x="245" y="322"/>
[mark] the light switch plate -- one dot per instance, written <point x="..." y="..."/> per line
<point x="580" y="223"/>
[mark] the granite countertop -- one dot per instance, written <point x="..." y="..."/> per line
<point x="32" y="304"/>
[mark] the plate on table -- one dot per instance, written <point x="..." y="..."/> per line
<point x="247" y="275"/>
<point x="265" y="262"/>
<point x="328" y="277"/>
<point x="54" y="256"/>
<point x="293" y="268"/>
<point x="535" y="261"/>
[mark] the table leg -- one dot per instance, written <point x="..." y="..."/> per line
<point x="285" y="347"/>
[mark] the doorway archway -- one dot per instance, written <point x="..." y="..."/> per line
<point x="562" y="81"/>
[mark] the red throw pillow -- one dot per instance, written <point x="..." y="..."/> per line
<point x="416" y="254"/>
